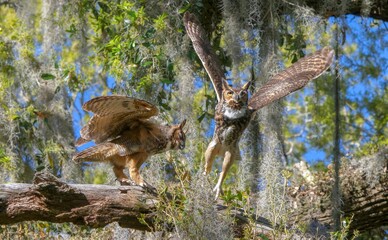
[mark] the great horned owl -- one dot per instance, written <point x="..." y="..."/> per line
<point x="125" y="136"/>
<point x="234" y="110"/>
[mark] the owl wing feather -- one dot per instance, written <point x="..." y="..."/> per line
<point x="293" y="78"/>
<point x="205" y="52"/>
<point x="106" y="105"/>
<point x="112" y="114"/>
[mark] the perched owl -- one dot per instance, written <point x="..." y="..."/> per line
<point x="234" y="110"/>
<point x="125" y="135"/>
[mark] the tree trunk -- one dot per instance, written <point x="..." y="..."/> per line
<point x="364" y="195"/>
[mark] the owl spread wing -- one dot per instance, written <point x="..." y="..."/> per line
<point x="204" y="51"/>
<point x="293" y="78"/>
<point x="112" y="114"/>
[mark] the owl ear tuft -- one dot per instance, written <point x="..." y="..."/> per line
<point x="247" y="85"/>
<point x="182" y="124"/>
<point x="225" y="84"/>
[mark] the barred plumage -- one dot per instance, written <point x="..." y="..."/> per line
<point x="125" y="135"/>
<point x="234" y="110"/>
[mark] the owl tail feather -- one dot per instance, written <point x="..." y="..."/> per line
<point x="99" y="153"/>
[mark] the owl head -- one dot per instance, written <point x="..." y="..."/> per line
<point x="235" y="98"/>
<point x="178" y="137"/>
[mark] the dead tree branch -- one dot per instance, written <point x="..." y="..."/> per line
<point x="49" y="199"/>
<point x="364" y="196"/>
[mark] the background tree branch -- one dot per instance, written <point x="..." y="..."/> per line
<point x="364" y="194"/>
<point x="377" y="9"/>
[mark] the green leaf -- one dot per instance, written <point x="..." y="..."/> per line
<point x="201" y="117"/>
<point x="170" y="67"/>
<point x="15" y="117"/>
<point x="47" y="76"/>
<point x="72" y="30"/>
<point x="146" y="44"/>
<point x="147" y="63"/>
<point x="263" y="236"/>
<point x="167" y="81"/>
<point x="65" y="73"/>
<point x="239" y="195"/>
<point x="132" y="15"/>
<point x="184" y="8"/>
<point x="40" y="168"/>
<point x="57" y="90"/>
<point x="165" y="106"/>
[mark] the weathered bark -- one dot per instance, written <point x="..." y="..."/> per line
<point x="364" y="195"/>
<point x="49" y="199"/>
<point x="378" y="9"/>
<point x="93" y="205"/>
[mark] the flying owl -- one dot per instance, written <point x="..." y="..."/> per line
<point x="125" y="135"/>
<point x="234" y="110"/>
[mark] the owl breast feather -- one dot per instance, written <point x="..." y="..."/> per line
<point x="234" y="114"/>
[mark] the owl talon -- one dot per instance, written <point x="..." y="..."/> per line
<point x="218" y="190"/>
<point x="148" y="187"/>
<point x="125" y="182"/>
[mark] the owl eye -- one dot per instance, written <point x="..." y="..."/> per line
<point x="229" y="93"/>
<point x="243" y="93"/>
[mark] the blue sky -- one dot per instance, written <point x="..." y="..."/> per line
<point x="356" y="24"/>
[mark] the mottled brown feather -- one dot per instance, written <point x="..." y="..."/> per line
<point x="98" y="153"/>
<point x="125" y="136"/>
<point x="293" y="78"/>
<point x="107" y="105"/>
<point x="204" y="51"/>
<point x="112" y="115"/>
<point x="234" y="110"/>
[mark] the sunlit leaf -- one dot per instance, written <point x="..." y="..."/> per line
<point x="47" y="76"/>
<point x="147" y="63"/>
<point x="167" y="80"/>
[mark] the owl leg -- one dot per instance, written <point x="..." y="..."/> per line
<point x="134" y="165"/>
<point x="121" y="177"/>
<point x="211" y="152"/>
<point x="227" y="163"/>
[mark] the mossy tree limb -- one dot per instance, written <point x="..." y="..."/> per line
<point x="364" y="195"/>
<point x="49" y="199"/>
